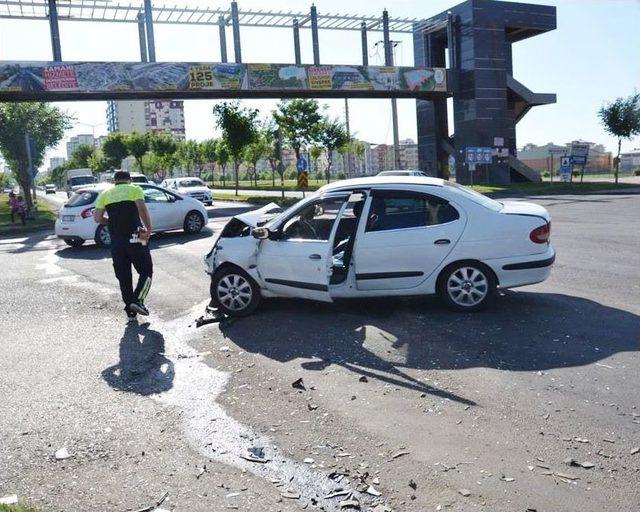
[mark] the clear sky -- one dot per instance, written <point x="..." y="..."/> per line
<point x="592" y="57"/>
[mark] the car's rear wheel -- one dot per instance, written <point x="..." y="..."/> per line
<point x="74" y="242"/>
<point x="193" y="222"/>
<point x="103" y="237"/>
<point x="234" y="292"/>
<point x="467" y="286"/>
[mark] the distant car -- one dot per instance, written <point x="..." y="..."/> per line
<point x="50" y="188"/>
<point x="169" y="211"/>
<point x="191" y="187"/>
<point x="402" y="173"/>
<point x="138" y="178"/>
<point x="382" y="237"/>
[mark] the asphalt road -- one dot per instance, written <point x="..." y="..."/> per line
<point x="434" y="410"/>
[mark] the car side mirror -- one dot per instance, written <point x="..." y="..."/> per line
<point x="260" y="233"/>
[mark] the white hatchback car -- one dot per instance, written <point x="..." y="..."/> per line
<point x="382" y="236"/>
<point x="168" y="211"/>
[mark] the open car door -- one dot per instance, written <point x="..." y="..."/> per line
<point x="297" y="260"/>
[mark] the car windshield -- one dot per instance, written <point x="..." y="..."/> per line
<point x="296" y="206"/>
<point x="476" y="197"/>
<point x="190" y="183"/>
<point x="81" y="180"/>
<point x="82" y="199"/>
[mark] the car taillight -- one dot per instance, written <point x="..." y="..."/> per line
<point x="541" y="235"/>
<point x="87" y="213"/>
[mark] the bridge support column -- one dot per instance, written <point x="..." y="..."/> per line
<point x="314" y="35"/>
<point x="151" y="43"/>
<point x="142" y="37"/>
<point x="365" y="45"/>
<point x="55" y="31"/>
<point x="235" y="21"/>
<point x="296" y="42"/>
<point x="222" y="27"/>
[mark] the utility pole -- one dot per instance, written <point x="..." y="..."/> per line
<point x="346" y="115"/>
<point x="388" y="61"/>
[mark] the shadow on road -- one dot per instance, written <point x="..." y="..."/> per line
<point x="91" y="251"/>
<point x="382" y="339"/>
<point x="143" y="368"/>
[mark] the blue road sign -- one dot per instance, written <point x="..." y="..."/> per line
<point x="565" y="168"/>
<point x="301" y="164"/>
<point x="478" y="155"/>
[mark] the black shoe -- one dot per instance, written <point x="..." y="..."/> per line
<point x="139" y="308"/>
<point x="131" y="315"/>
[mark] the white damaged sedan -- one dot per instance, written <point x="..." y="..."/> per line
<point x="381" y="236"/>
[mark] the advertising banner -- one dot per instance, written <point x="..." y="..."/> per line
<point x="46" y="80"/>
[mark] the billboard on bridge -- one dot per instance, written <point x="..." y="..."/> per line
<point x="91" y="78"/>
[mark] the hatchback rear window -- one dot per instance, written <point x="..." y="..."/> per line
<point x="82" y="199"/>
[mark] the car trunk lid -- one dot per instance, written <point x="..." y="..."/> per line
<point x="525" y="208"/>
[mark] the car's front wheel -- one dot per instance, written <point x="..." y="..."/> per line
<point x="234" y="292"/>
<point x="193" y="222"/>
<point x="103" y="237"/>
<point x="467" y="286"/>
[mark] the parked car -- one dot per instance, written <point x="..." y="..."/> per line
<point x="382" y="236"/>
<point x="402" y="173"/>
<point x="169" y="211"/>
<point x="191" y="187"/>
<point x="138" y="178"/>
<point x="49" y="188"/>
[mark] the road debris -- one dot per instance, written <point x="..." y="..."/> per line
<point x="400" y="453"/>
<point x="309" y="460"/>
<point x="155" y="506"/>
<point x="351" y="502"/>
<point x="464" y="492"/>
<point x="634" y="451"/>
<point x="298" y="384"/>
<point x="363" y="379"/>
<point x="290" y="495"/>
<point x="256" y="454"/>
<point x="587" y="465"/>
<point x="373" y="491"/>
<point x="201" y="472"/>
<point x="413" y="485"/>
<point x="62" y="454"/>
<point x="566" y="476"/>
<point x="507" y="479"/>
<point x="337" y="493"/>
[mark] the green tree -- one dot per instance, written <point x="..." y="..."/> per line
<point x="258" y="149"/>
<point x="300" y="122"/>
<point x="115" y="149"/>
<point x="164" y="148"/>
<point x="97" y="162"/>
<point x="359" y="149"/>
<point x="621" y="119"/>
<point x="333" y="136"/>
<point x="46" y="126"/>
<point x="189" y="156"/>
<point x="315" y="152"/>
<point x="57" y="175"/>
<point x="80" y="156"/>
<point x="270" y="135"/>
<point x="137" y="146"/>
<point x="209" y="154"/>
<point x="238" y="129"/>
<point x="222" y="159"/>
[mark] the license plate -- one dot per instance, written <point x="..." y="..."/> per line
<point x="68" y="218"/>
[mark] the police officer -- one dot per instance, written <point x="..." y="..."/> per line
<point x="130" y="228"/>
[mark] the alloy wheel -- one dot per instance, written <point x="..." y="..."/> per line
<point x="467" y="286"/>
<point x="234" y="292"/>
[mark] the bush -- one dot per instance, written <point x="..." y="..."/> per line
<point x="575" y="174"/>
<point x="636" y="172"/>
<point x="341" y="176"/>
<point x="545" y="174"/>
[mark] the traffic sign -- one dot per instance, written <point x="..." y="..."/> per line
<point x="565" y="168"/>
<point x="478" y="155"/>
<point x="579" y="152"/>
<point x="301" y="164"/>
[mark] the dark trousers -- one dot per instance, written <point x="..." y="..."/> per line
<point x="125" y="254"/>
